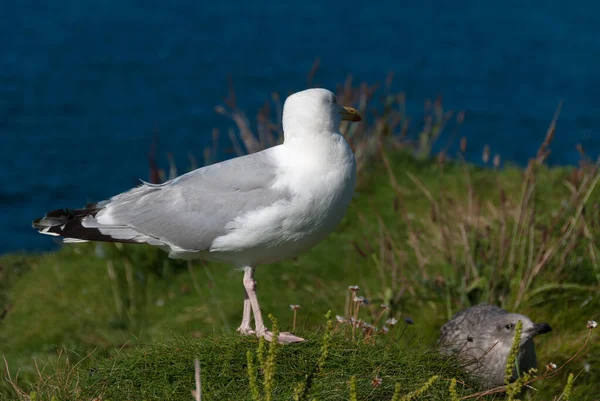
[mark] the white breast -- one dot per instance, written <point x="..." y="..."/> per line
<point x="322" y="178"/>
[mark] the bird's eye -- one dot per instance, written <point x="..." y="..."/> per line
<point x="335" y="100"/>
<point x="509" y="326"/>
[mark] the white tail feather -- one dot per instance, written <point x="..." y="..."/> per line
<point x="74" y="240"/>
<point x="47" y="232"/>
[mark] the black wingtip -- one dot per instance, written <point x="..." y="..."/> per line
<point x="67" y="223"/>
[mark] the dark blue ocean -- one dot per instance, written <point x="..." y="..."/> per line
<point x="86" y="85"/>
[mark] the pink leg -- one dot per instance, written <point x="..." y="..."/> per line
<point x="245" y="325"/>
<point x="259" y="325"/>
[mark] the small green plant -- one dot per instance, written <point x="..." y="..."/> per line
<point x="514" y="389"/>
<point x="397" y="388"/>
<point x="512" y="361"/>
<point x="353" y="396"/>
<point x="267" y="366"/>
<point x="252" y="377"/>
<point x="416" y="393"/>
<point x="421" y="391"/>
<point x="566" y="395"/>
<point x="452" y="390"/>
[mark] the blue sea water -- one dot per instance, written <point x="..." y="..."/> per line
<point x="85" y="85"/>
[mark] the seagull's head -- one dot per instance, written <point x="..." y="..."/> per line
<point x="505" y="327"/>
<point x="315" y="111"/>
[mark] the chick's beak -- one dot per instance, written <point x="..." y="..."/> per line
<point x="540" y="328"/>
<point x="350" y="114"/>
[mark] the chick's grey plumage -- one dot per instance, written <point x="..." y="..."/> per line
<point x="483" y="335"/>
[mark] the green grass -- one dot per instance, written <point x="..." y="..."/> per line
<point x="425" y="238"/>
<point x="156" y="372"/>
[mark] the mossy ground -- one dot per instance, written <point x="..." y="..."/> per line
<point x="131" y="322"/>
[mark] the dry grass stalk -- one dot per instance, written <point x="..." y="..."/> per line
<point x="197" y="393"/>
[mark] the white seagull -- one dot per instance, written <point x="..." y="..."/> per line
<point x="259" y="208"/>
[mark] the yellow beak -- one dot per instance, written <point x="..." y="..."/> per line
<point x="350" y="114"/>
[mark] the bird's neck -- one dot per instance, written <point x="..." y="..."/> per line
<point x="323" y="148"/>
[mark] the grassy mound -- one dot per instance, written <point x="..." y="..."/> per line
<point x="166" y="372"/>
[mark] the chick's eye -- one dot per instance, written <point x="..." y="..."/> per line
<point x="334" y="100"/>
<point x="509" y="326"/>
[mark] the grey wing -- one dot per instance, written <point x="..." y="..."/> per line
<point x="190" y="211"/>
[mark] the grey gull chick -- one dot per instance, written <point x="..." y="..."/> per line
<point x="483" y="335"/>
<point x="259" y="208"/>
